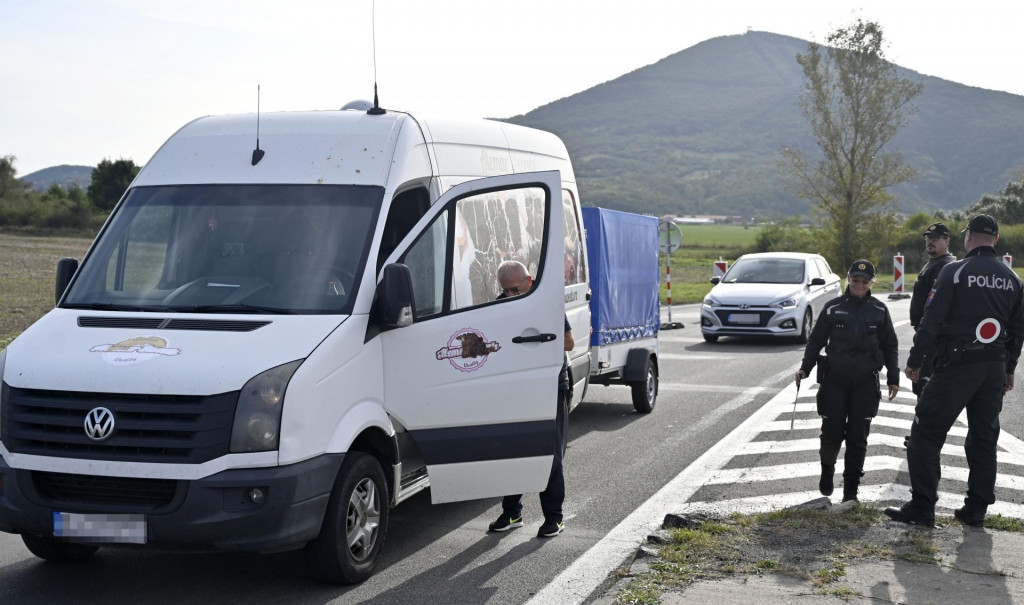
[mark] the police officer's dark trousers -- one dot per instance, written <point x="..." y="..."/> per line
<point x="553" y="496"/>
<point x="846" y="406"/>
<point x="979" y="388"/>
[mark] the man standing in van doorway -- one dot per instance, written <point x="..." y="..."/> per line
<point x="515" y="280"/>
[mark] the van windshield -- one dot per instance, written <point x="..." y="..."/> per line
<point x="231" y="249"/>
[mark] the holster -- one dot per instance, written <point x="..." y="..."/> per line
<point x="822" y="369"/>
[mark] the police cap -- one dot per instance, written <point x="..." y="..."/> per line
<point x="983" y="223"/>
<point x="863" y="268"/>
<point x="937" y="230"/>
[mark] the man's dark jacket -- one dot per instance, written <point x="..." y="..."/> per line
<point x="967" y="292"/>
<point x="924" y="284"/>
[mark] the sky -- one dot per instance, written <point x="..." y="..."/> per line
<point x="87" y="80"/>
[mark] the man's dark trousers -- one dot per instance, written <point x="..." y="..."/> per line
<point x="553" y="496"/>
<point x="979" y="388"/>
<point x="846" y="406"/>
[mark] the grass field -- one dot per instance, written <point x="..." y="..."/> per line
<point x="28" y="267"/>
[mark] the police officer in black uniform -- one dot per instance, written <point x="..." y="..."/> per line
<point x="936" y="244"/>
<point x="975" y="324"/>
<point x="858" y="336"/>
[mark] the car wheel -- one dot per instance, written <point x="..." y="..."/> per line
<point x="805" y="329"/>
<point x="710" y="338"/>
<point x="51" y="549"/>
<point x="645" y="392"/>
<point x="352" y="534"/>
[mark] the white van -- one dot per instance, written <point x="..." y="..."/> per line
<point x="266" y="350"/>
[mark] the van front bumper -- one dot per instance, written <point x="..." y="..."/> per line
<point x="214" y="513"/>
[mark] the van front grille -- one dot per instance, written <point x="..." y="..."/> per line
<point x="114" y="492"/>
<point x="147" y="428"/>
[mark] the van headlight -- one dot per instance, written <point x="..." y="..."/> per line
<point x="257" y="426"/>
<point x="789" y="303"/>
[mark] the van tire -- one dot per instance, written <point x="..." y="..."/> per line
<point x="51" y="549"/>
<point x="645" y="392"/>
<point x="358" y="501"/>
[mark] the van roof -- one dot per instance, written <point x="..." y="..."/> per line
<point x="342" y="147"/>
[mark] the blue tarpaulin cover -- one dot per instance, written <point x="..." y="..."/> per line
<point x="624" y="273"/>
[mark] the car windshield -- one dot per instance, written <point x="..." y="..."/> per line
<point x="231" y="249"/>
<point x="765" y="271"/>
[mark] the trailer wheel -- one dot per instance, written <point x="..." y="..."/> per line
<point x="352" y="535"/>
<point x="51" y="549"/>
<point x="646" y="392"/>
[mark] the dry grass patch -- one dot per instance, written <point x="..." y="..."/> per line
<point x="28" y="267"/>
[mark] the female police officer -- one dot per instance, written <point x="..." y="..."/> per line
<point x="856" y="331"/>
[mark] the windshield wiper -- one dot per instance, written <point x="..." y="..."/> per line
<point x="237" y="308"/>
<point x="109" y="307"/>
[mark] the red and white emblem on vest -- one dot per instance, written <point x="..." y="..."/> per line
<point x="988" y="330"/>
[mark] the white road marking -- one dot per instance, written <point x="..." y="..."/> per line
<point x="586" y="573"/>
<point x="579" y="579"/>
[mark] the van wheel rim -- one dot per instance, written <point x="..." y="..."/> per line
<point x="362" y="520"/>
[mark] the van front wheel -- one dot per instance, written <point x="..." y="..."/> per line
<point x="356" y="521"/>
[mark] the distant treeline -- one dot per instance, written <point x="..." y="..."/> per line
<point x="59" y="209"/>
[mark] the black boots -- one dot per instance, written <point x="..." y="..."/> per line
<point x="971" y="515"/>
<point x="849" y="491"/>
<point x="825" y="483"/>
<point x="912" y="513"/>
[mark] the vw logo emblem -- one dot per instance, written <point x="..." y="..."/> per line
<point x="99" y="424"/>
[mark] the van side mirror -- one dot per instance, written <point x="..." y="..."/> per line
<point x="66" y="268"/>
<point x="715" y="280"/>
<point x="394" y="296"/>
<point x="817" y="281"/>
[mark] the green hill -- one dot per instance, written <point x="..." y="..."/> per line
<point x="64" y="175"/>
<point x="699" y="132"/>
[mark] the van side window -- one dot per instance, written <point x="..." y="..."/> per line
<point x="491" y="228"/>
<point x="406" y="209"/>
<point x="575" y="265"/>
<point x="426" y="261"/>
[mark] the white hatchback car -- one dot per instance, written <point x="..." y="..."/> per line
<point x="769" y="294"/>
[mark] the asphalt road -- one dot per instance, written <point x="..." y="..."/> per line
<point x="617" y="459"/>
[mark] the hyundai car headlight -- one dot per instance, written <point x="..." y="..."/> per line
<point x="789" y="303"/>
<point x="257" y="426"/>
<point x="709" y="301"/>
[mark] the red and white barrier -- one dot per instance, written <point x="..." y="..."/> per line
<point x="1008" y="260"/>
<point x="897" y="273"/>
<point x="721" y="267"/>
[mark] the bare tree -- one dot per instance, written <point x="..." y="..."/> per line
<point x="855" y="104"/>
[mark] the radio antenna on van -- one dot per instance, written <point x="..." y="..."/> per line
<point x="257" y="154"/>
<point x="376" y="110"/>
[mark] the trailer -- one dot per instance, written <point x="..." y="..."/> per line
<point x="624" y="306"/>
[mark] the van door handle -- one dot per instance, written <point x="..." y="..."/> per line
<point x="534" y="338"/>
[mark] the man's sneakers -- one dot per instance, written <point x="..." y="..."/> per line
<point x="968" y="516"/>
<point x="506" y="522"/>
<point x="911" y="513"/>
<point x="550" y="529"/>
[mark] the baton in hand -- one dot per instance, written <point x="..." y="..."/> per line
<point x="792" y="418"/>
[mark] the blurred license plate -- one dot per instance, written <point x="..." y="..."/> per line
<point x="744" y="318"/>
<point x="121" y="529"/>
